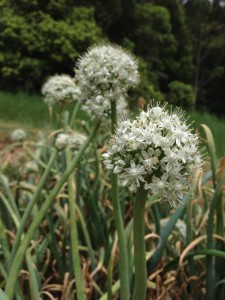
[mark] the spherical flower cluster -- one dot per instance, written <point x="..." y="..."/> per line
<point x="18" y="135"/>
<point x="62" y="140"/>
<point x="77" y="139"/>
<point x="104" y="74"/>
<point x="73" y="140"/>
<point x="60" y="88"/>
<point x="157" y="150"/>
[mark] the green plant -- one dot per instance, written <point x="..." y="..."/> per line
<point x="64" y="228"/>
<point x="181" y="94"/>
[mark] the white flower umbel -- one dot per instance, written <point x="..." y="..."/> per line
<point x="62" y="140"/>
<point x="158" y="150"/>
<point x="18" y="135"/>
<point x="60" y="88"/>
<point x="104" y="74"/>
<point x="76" y="140"/>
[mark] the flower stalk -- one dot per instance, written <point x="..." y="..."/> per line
<point x="75" y="112"/>
<point x="157" y="153"/>
<point x="140" y="270"/>
<point x="74" y="234"/>
<point x="123" y="259"/>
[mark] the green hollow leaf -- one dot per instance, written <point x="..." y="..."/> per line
<point x="195" y="254"/>
<point x="217" y="285"/>
<point x="212" y="150"/>
<point x="34" y="283"/>
<point x="166" y="232"/>
<point x="3" y="295"/>
<point x="170" y="225"/>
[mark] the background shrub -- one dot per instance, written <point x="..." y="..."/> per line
<point x="181" y="94"/>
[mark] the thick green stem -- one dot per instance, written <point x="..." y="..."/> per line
<point x="31" y="204"/>
<point x="75" y="112"/>
<point x="140" y="270"/>
<point x="123" y="258"/>
<point x="74" y="234"/>
<point x="17" y="262"/>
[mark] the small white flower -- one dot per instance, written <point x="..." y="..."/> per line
<point x="157" y="149"/>
<point x="60" y="88"/>
<point x="18" y="135"/>
<point x="135" y="171"/>
<point x="117" y="169"/>
<point x="157" y="111"/>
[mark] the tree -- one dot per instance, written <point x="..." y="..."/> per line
<point x="181" y="94"/>
<point x="39" y="38"/>
<point x="182" y="68"/>
<point x="208" y="39"/>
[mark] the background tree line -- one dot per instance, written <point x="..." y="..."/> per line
<point x="180" y="44"/>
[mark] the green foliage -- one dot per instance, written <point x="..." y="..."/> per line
<point x="175" y="41"/>
<point x="181" y="94"/>
<point x="206" y="25"/>
<point x="216" y="125"/>
<point x="40" y="200"/>
<point x="155" y="42"/>
<point x="36" y="43"/>
<point x="3" y="295"/>
<point x="148" y="88"/>
<point x="182" y="64"/>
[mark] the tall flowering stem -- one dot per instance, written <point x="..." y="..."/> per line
<point x="104" y="74"/>
<point x="156" y="153"/>
<point x="140" y="270"/>
<point x="74" y="233"/>
<point x="75" y="112"/>
<point x="123" y="259"/>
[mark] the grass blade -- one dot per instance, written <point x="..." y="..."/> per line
<point x="166" y="232"/>
<point x="34" y="283"/>
<point x="3" y="295"/>
<point x="212" y="150"/>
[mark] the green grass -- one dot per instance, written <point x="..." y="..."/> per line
<point x="29" y="111"/>
<point x="23" y="109"/>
